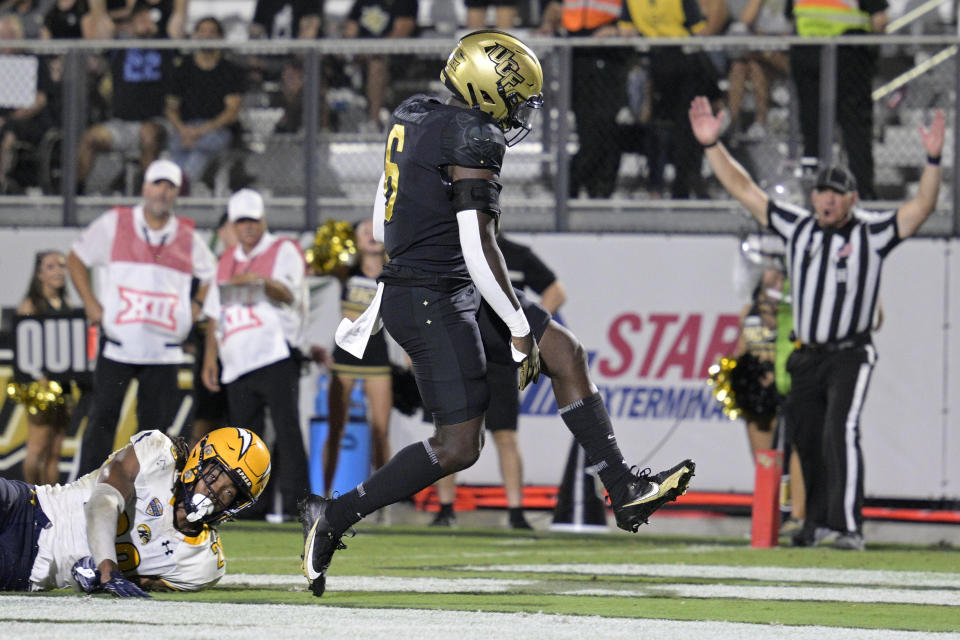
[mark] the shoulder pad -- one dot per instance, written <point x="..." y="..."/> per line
<point x="472" y="140"/>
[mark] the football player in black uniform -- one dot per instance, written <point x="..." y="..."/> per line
<point x="448" y="301"/>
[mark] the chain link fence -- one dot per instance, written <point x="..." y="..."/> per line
<point x="611" y="149"/>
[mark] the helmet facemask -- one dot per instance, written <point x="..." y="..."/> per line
<point x="206" y="507"/>
<point x="236" y="452"/>
<point x="519" y="121"/>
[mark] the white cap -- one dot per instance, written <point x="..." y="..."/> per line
<point x="245" y="204"/>
<point x="163" y="170"/>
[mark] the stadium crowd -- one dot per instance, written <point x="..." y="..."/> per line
<point x="146" y="102"/>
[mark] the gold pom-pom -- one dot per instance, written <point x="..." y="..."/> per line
<point x="334" y="245"/>
<point x="719" y="379"/>
<point x="38" y="397"/>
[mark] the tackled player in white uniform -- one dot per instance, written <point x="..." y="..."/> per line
<point x="146" y="520"/>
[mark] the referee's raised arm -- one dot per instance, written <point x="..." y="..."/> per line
<point x="913" y="213"/>
<point x="735" y="179"/>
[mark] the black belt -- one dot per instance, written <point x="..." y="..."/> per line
<point x="405" y="276"/>
<point x="832" y="347"/>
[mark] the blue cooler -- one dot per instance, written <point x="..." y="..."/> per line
<point x="353" y="465"/>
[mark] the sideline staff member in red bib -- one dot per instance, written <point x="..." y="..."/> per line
<point x="145" y="257"/>
<point x="256" y="313"/>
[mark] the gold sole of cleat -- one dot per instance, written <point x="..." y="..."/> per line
<point x="306" y="551"/>
<point x="670" y="484"/>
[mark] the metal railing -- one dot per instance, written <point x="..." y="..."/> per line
<point x="323" y="170"/>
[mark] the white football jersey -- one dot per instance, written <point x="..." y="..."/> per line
<point x="147" y="542"/>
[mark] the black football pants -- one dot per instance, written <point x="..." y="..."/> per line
<point x="276" y="386"/>
<point x="823" y="417"/>
<point x="157" y="405"/>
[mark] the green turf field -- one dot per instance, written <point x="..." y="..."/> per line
<point x="893" y="587"/>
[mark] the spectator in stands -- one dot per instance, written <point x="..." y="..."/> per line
<point x="676" y="76"/>
<point x="506" y="13"/>
<point x="75" y="19"/>
<point x="203" y="103"/>
<point x="30" y="12"/>
<point x="27" y="123"/>
<point x="598" y="93"/>
<point x="287" y="19"/>
<point x="46" y="295"/>
<point x="760" y="17"/>
<point x="140" y="78"/>
<point x="147" y="257"/>
<point x="168" y="16"/>
<point x="255" y="314"/>
<point x="856" y="65"/>
<point x="380" y="19"/>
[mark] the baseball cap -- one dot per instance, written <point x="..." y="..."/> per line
<point x="163" y="170"/>
<point x="245" y="204"/>
<point x="836" y="177"/>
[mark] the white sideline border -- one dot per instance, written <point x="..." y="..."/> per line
<point x="394" y="584"/>
<point x="737" y="572"/>
<point x="88" y="618"/>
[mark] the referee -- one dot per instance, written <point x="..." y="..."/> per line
<point x="834" y="259"/>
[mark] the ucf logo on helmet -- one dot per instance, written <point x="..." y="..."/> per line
<point x="506" y="66"/>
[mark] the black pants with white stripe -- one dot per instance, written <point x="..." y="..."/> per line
<point x="823" y="417"/>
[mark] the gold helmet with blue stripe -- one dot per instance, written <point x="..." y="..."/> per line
<point x="498" y="74"/>
<point x="238" y="452"/>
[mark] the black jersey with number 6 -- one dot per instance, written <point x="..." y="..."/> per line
<point x="425" y="137"/>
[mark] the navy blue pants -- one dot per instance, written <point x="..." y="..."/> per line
<point x="21" y="520"/>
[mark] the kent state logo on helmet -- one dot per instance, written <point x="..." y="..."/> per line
<point x="239" y="453"/>
<point x="498" y="74"/>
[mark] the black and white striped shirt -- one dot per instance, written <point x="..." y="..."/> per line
<point x="834" y="273"/>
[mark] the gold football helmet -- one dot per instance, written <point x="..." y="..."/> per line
<point x="239" y="453"/>
<point x="496" y="73"/>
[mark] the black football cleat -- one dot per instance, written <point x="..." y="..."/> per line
<point x="648" y="493"/>
<point x="319" y="541"/>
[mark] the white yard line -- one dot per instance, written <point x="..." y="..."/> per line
<point x="731" y="572"/>
<point x="820" y="594"/>
<point x="541" y="587"/>
<point x="84" y="618"/>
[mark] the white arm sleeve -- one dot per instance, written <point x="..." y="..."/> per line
<point x="379" y="211"/>
<point x="102" y="511"/>
<point x="483" y="276"/>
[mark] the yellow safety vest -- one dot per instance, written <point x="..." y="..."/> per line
<point x="829" y="17"/>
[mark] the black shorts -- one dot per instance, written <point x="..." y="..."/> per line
<point x="449" y="336"/>
<point x="504" y="407"/>
<point x="21" y="520"/>
<point x="375" y="362"/>
<point x="496" y="334"/>
<point x="504" y="397"/>
<point x="482" y="4"/>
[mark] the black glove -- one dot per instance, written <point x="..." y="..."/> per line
<point x="123" y="588"/>
<point x="86" y="574"/>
